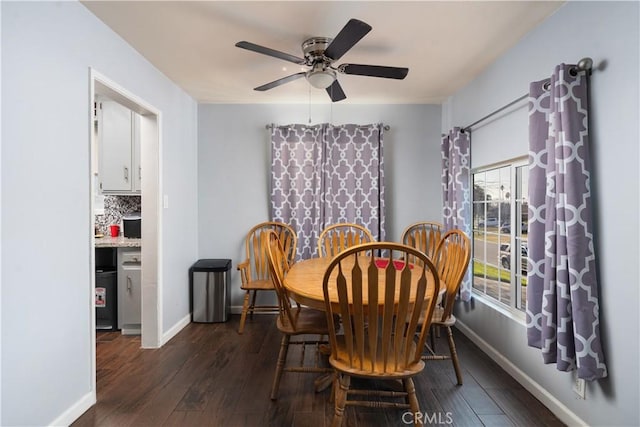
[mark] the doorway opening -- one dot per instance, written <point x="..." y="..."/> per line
<point x="150" y="187"/>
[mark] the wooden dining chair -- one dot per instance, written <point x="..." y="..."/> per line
<point x="424" y="236"/>
<point x="338" y="237"/>
<point x="254" y="272"/>
<point x="452" y="260"/>
<point x="293" y="320"/>
<point x="382" y="302"/>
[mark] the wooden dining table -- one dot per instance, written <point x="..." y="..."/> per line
<point x="304" y="284"/>
<point x="304" y="281"/>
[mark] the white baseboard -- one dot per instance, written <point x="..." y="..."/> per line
<point x="76" y="410"/>
<point x="88" y="400"/>
<point x="166" y="337"/>
<point x="554" y="405"/>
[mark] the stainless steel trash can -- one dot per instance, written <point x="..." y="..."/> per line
<point x="106" y="299"/>
<point x="210" y="295"/>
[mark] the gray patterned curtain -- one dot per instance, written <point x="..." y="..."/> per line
<point x="296" y="174"/>
<point x="325" y="174"/>
<point x="562" y="290"/>
<point x="456" y="208"/>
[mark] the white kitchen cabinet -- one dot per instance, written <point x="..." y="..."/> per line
<point x="119" y="147"/>
<point x="136" y="166"/>
<point x="129" y="290"/>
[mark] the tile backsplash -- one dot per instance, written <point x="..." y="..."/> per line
<point x="115" y="207"/>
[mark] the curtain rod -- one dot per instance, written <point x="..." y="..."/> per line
<point x="583" y="64"/>
<point x="271" y="126"/>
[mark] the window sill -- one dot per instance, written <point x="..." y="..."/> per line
<point x="512" y="313"/>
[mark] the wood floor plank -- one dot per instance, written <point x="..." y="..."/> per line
<point x="521" y="414"/>
<point x="308" y="419"/>
<point x="455" y="407"/>
<point x="479" y="400"/>
<point x="496" y="421"/>
<point x="533" y="404"/>
<point x="209" y="375"/>
<point x="484" y="370"/>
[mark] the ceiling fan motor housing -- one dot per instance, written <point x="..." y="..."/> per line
<point x="321" y="75"/>
<point x="314" y="48"/>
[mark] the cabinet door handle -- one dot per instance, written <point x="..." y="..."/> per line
<point x="129" y="284"/>
<point x="139" y="173"/>
<point x="126" y="174"/>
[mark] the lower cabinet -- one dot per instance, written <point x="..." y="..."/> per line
<point x="129" y="290"/>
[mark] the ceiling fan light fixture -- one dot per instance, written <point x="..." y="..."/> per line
<point x="321" y="78"/>
<point x="320" y="53"/>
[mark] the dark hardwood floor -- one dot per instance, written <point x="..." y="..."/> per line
<point x="208" y="375"/>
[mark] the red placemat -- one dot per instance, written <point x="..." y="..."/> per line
<point x="399" y="265"/>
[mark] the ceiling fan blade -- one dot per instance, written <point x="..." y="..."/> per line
<point x="279" y="82"/>
<point x="335" y="92"/>
<point x="270" y="52"/>
<point x="347" y="38"/>
<point x="374" y="71"/>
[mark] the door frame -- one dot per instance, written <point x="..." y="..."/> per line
<point x="151" y="250"/>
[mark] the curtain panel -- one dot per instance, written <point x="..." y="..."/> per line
<point x="456" y="207"/>
<point x="296" y="173"/>
<point x="326" y="174"/>
<point x="562" y="289"/>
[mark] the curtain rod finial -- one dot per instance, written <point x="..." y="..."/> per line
<point x="585" y="64"/>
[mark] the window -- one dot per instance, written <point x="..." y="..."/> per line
<point x="500" y="215"/>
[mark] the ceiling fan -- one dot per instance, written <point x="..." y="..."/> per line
<point x="320" y="53"/>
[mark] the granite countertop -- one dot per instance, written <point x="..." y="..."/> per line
<point x="117" y="242"/>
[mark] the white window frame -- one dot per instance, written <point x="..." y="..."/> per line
<point x="513" y="309"/>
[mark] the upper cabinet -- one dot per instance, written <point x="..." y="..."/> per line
<point x="119" y="147"/>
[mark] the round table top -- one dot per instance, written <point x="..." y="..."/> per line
<point x="304" y="282"/>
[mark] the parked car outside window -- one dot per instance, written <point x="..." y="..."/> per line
<point x="506" y="228"/>
<point x="505" y="256"/>
<point x="490" y="222"/>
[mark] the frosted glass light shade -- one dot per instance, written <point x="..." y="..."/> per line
<point x="321" y="79"/>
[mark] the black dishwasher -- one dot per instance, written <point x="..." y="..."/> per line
<point x="106" y="290"/>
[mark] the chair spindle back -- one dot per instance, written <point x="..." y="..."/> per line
<point x="256" y="247"/>
<point x="278" y="268"/>
<point x="452" y="260"/>
<point x="424" y="236"/>
<point x="338" y="237"/>
<point x="379" y="337"/>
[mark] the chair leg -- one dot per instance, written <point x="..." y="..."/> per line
<point x="341" y="399"/>
<point x="282" y="358"/>
<point x="245" y="308"/>
<point x="334" y="388"/>
<point x="410" y="388"/>
<point x="253" y="304"/>
<point x="454" y="356"/>
<point x="432" y="334"/>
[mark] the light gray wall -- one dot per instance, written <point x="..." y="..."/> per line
<point x="234" y="167"/>
<point x="607" y="32"/>
<point x="47" y="49"/>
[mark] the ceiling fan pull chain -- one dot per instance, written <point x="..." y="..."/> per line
<point x="331" y="108"/>
<point x="309" y="104"/>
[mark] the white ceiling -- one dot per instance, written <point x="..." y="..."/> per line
<point x="444" y="44"/>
